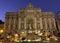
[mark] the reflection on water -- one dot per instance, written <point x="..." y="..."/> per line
<point x="40" y="42"/>
<point x="43" y="41"/>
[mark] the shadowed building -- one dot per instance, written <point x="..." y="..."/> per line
<point x="58" y="21"/>
<point x="1" y="24"/>
<point x="1" y="30"/>
<point x="29" y="20"/>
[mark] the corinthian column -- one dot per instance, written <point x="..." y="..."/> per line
<point x="53" y="20"/>
<point x="50" y="25"/>
<point x="41" y="25"/>
<point x="25" y="23"/>
<point x="10" y="19"/>
<point x="14" y="23"/>
<point x="35" y="23"/>
<point x="19" y="23"/>
<point x="45" y="20"/>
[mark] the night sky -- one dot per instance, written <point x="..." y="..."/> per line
<point x="14" y="5"/>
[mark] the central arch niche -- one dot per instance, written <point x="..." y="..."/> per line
<point x="30" y="24"/>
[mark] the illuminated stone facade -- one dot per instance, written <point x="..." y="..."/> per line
<point x="29" y="20"/>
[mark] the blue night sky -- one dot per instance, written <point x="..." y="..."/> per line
<point x="14" y="5"/>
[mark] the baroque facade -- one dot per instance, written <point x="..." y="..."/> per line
<point x="29" y="20"/>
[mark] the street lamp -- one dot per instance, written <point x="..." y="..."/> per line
<point x="1" y="31"/>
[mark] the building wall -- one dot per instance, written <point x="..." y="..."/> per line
<point x="29" y="18"/>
